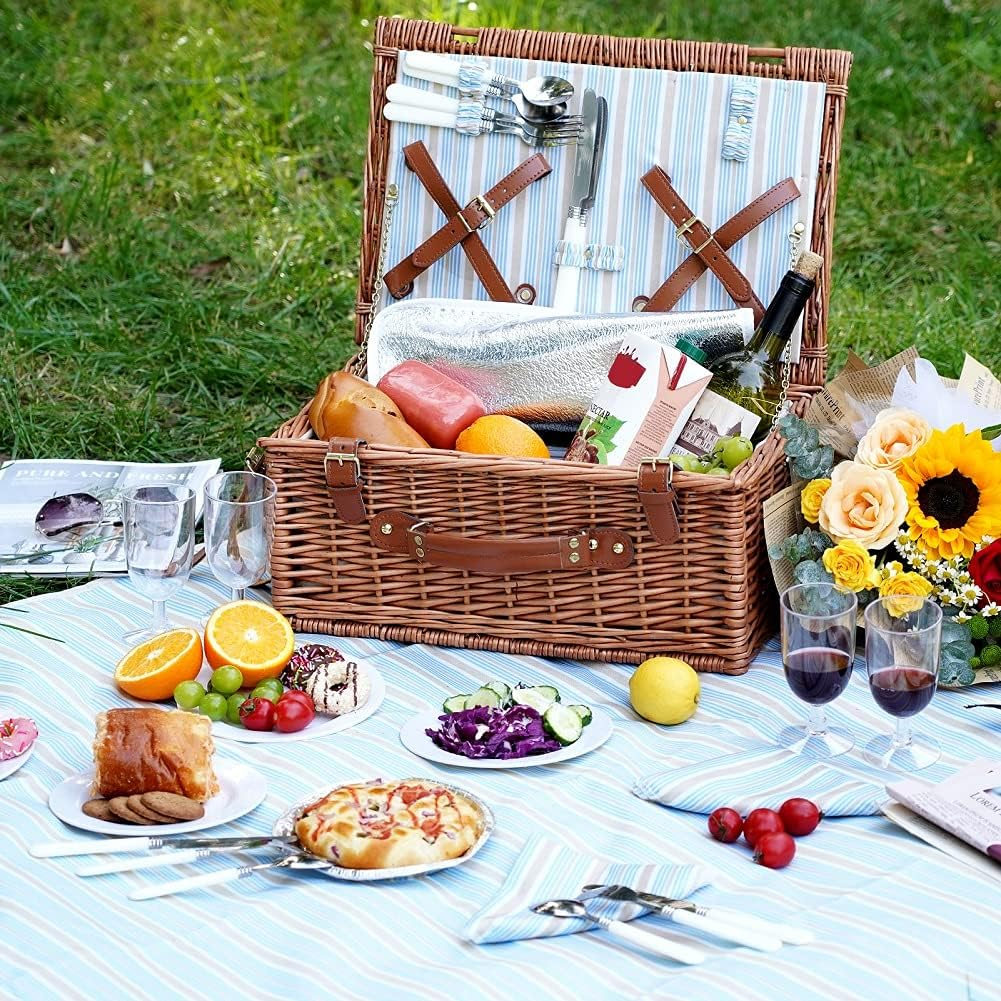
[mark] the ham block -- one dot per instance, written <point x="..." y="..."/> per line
<point x="435" y="406"/>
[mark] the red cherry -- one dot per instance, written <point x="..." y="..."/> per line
<point x="758" y="823"/>
<point x="725" y="824"/>
<point x="799" y="816"/>
<point x="775" y="851"/>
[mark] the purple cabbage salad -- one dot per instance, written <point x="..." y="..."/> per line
<point x="485" y="732"/>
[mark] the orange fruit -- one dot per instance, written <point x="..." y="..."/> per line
<point x="152" y="670"/>
<point x="253" y="637"/>
<point x="497" y="434"/>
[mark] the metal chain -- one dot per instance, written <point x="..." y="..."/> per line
<point x="795" y="239"/>
<point x="392" y="197"/>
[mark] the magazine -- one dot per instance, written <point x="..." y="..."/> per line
<point x="94" y="548"/>
<point x="960" y="816"/>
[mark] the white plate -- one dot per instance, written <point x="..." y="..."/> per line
<point x="322" y="726"/>
<point x="285" y="827"/>
<point x="240" y="790"/>
<point x="413" y="738"/>
<point x="11" y="765"/>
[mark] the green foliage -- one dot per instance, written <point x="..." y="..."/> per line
<point x="809" y="459"/>
<point x="990" y="655"/>
<point x="994" y="627"/>
<point x="978" y="627"/>
<point x="807" y="545"/>
<point x="811" y="572"/>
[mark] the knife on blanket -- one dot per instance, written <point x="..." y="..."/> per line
<point x="590" y="150"/>
<point x="719" y="921"/>
<point x="119" y="846"/>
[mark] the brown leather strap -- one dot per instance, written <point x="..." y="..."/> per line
<point x="396" y="531"/>
<point x="462" y="223"/>
<point x="733" y="230"/>
<point x="342" y="470"/>
<point x="660" y="503"/>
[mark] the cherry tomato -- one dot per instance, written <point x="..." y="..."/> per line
<point x="725" y="824"/>
<point x="293" y="714"/>
<point x="258" y="714"/>
<point x="305" y="699"/>
<point x="758" y="823"/>
<point x="799" y="816"/>
<point x="775" y="851"/>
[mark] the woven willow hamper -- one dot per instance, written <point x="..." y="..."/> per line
<point x="533" y="556"/>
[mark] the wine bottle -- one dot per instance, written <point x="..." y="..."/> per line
<point x="752" y="377"/>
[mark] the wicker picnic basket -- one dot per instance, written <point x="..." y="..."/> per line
<point x="541" y="557"/>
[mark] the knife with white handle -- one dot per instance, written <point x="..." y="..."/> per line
<point x="221" y="876"/>
<point x="650" y="942"/>
<point x="121" y="846"/>
<point x="424" y="74"/>
<point x="590" y="147"/>
<point x="420" y="116"/>
<point x="414" y="97"/>
<point x="146" y="862"/>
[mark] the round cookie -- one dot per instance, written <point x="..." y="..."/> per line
<point x="119" y="805"/>
<point x="100" y="810"/>
<point x="136" y="805"/>
<point x="168" y="804"/>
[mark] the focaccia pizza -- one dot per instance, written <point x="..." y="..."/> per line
<point x="385" y="825"/>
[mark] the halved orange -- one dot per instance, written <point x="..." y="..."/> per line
<point x="152" y="670"/>
<point x="251" y="636"/>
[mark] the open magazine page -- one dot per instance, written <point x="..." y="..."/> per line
<point x="93" y="548"/>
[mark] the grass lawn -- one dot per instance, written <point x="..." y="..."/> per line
<point x="180" y="199"/>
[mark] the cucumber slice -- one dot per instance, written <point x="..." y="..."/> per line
<point x="553" y="694"/>
<point x="563" y="723"/>
<point x="455" y="703"/>
<point x="535" y="698"/>
<point x="583" y="712"/>
<point x="502" y="691"/>
<point x="483" y="697"/>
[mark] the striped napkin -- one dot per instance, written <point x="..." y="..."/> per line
<point x="841" y="787"/>
<point x="546" y="870"/>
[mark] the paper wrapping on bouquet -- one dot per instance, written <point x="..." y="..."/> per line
<point x="766" y="777"/>
<point x="532" y="362"/>
<point x="546" y="870"/>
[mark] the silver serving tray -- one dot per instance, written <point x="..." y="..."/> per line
<point x="285" y="828"/>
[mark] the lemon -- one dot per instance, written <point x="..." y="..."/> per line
<point x="664" y="690"/>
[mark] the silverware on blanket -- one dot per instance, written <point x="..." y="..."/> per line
<point x="536" y="136"/>
<point x="645" y="940"/>
<point x="174" y="856"/>
<point x="470" y="109"/>
<point x="590" y="152"/>
<point x="724" y="915"/>
<point x="120" y="846"/>
<point x="983" y="705"/>
<point x="533" y="362"/>
<point x="476" y="77"/>
<point x="683" y="912"/>
<point x="296" y="859"/>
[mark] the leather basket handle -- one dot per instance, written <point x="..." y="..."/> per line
<point x="396" y="531"/>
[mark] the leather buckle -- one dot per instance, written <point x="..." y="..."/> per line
<point x="340" y="457"/>
<point x="686" y="227"/>
<point x="652" y="461"/>
<point x="485" y="207"/>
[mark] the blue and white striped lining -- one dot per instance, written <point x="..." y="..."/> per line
<point x="740" y="117"/>
<point x="674" y="119"/>
<point x="590" y="256"/>
<point x="894" y="918"/>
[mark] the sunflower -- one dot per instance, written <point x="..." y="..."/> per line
<point x="953" y="488"/>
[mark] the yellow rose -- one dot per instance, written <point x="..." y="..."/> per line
<point x="896" y="434"/>
<point x="865" y="504"/>
<point x="905" y="591"/>
<point x="809" y="501"/>
<point x="851" y="565"/>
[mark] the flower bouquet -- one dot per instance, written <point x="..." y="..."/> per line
<point x="904" y="500"/>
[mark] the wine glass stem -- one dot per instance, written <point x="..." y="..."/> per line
<point x="902" y="735"/>
<point x="239" y="593"/>
<point x="816" y="724"/>
<point x="159" y="624"/>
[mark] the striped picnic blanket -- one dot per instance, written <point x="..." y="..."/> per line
<point x="893" y="917"/>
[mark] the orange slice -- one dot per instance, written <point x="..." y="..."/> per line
<point x="251" y="636"/>
<point x="152" y="670"/>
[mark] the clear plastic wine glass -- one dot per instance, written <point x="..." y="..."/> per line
<point x="239" y="528"/>
<point x="159" y="534"/>
<point x="818" y="653"/>
<point x="903" y="635"/>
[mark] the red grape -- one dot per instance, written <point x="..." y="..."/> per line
<point x="775" y="851"/>
<point x="799" y="816"/>
<point x="725" y="824"/>
<point x="758" y="823"/>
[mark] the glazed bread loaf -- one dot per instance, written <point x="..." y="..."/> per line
<point x="348" y="407"/>
<point x="153" y="750"/>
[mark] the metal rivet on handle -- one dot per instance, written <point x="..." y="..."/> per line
<point x="574" y="557"/>
<point x="741" y="119"/>
<point x="418" y="540"/>
<point x="592" y="544"/>
<point x="573" y="543"/>
<point x="387" y="528"/>
<point x="525" y="294"/>
<point x="618" y="548"/>
<point x="420" y="552"/>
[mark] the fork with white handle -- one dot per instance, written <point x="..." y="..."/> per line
<point x="475" y="77"/>
<point x="399" y="93"/>
<point x="537" y="136"/>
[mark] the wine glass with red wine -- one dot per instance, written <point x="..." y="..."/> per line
<point x="818" y="652"/>
<point x="902" y="639"/>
